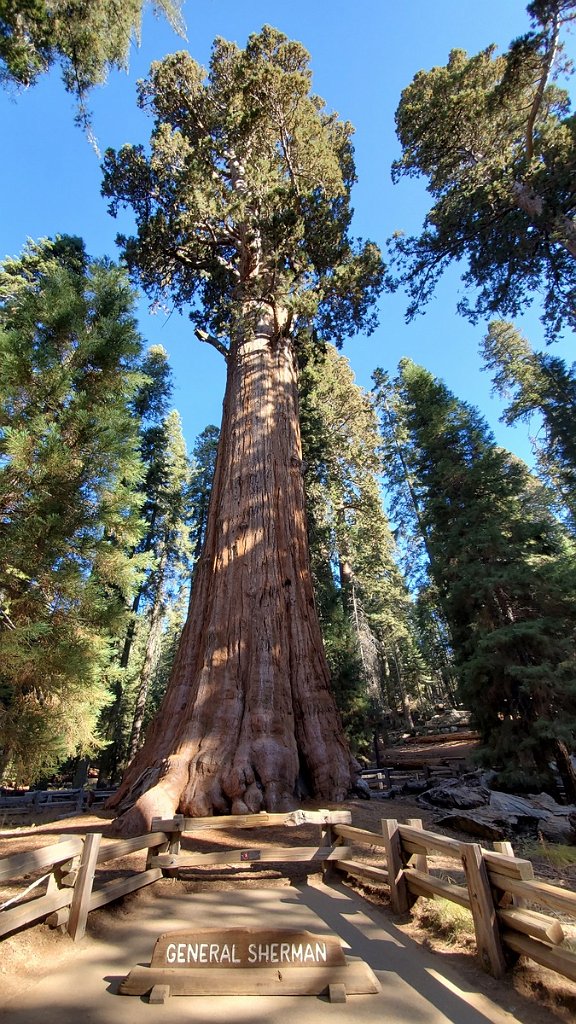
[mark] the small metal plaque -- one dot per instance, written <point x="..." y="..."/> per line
<point x="250" y="855"/>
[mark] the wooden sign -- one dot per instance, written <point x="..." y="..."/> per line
<point x="249" y="961"/>
<point x="246" y="947"/>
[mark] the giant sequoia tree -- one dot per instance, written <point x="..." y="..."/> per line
<point x="494" y="137"/>
<point x="242" y="208"/>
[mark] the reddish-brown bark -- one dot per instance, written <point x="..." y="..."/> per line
<point x="249" y="720"/>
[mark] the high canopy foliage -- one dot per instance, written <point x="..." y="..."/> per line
<point x="494" y="137"/>
<point x="244" y="195"/>
<point x="87" y="38"/>
<point x="538" y="383"/>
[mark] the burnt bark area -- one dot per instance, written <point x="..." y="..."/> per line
<point x="248" y="722"/>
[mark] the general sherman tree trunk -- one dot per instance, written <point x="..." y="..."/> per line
<point x="248" y="722"/>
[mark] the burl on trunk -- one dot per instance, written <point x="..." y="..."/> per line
<point x="248" y="722"/>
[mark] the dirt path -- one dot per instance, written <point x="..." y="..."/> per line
<point x="415" y="984"/>
<point x="540" y="995"/>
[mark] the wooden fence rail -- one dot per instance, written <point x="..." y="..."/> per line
<point x="499" y="889"/>
<point x="44" y="803"/>
<point x="72" y="889"/>
<point x="495" y="879"/>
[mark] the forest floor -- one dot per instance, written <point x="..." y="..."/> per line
<point x="447" y="932"/>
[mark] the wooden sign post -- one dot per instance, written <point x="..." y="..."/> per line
<point x="249" y="961"/>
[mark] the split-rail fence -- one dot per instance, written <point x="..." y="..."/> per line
<point x="509" y="907"/>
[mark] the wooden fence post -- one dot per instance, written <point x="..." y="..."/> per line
<point x="483" y="910"/>
<point x="399" y="895"/>
<point x="503" y="846"/>
<point x="417" y="860"/>
<point x="164" y="847"/>
<point x="83" y="889"/>
<point x="329" y="868"/>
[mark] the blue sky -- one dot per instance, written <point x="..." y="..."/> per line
<point x="363" y="55"/>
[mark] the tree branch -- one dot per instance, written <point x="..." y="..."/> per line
<point x="211" y="340"/>
<point x="537" y="101"/>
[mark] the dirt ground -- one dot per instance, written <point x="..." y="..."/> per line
<point x="39" y="950"/>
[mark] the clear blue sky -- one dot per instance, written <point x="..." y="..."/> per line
<point x="363" y="54"/>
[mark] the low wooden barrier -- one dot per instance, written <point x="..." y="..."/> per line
<point x="507" y="904"/>
<point x="18" y="807"/>
<point x="499" y="887"/>
<point x="72" y="888"/>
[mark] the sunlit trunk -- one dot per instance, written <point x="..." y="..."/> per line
<point x="248" y="721"/>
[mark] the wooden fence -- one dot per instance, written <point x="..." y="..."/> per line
<point x="72" y="888"/>
<point x="499" y="890"/>
<point x="42" y="803"/>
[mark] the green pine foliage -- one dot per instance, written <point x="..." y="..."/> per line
<point x="243" y="196"/>
<point x="87" y="38"/>
<point x="538" y="384"/>
<point x="69" y="510"/>
<point x="204" y="465"/>
<point x="364" y="606"/>
<point x="505" y="570"/>
<point x="172" y="552"/>
<point x="494" y="137"/>
<point x="164" y="551"/>
<point x="430" y="627"/>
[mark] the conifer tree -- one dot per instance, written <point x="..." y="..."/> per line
<point x="538" y="383"/>
<point x="204" y="465"/>
<point x="87" y="38"/>
<point x="172" y="556"/>
<point x="242" y="207"/>
<point x="430" y="627"/>
<point x="364" y="602"/>
<point x="507" y="580"/>
<point x="69" y="508"/>
<point x="494" y="136"/>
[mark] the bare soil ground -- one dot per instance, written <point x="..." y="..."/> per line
<point x="39" y="950"/>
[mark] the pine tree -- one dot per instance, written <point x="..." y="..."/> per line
<point x="430" y="629"/>
<point x="507" y="581"/>
<point x="365" y="608"/>
<point x="172" y="557"/>
<point x="204" y="461"/>
<point x="149" y="405"/>
<point x="242" y="207"/>
<point x="538" y="383"/>
<point x="69" y="510"/>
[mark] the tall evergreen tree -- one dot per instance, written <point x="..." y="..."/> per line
<point x="431" y="629"/>
<point x="172" y="557"/>
<point x="538" y="383"/>
<point x="149" y="405"/>
<point x="507" y="580"/>
<point x="242" y="206"/>
<point x="494" y="137"/>
<point x="204" y="460"/>
<point x="364" y="603"/>
<point x="69" y="511"/>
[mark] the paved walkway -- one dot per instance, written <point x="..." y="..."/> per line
<point x="85" y="989"/>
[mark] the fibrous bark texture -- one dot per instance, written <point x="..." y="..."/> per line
<point x="248" y="722"/>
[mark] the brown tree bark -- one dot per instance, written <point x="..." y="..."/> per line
<point x="248" y="722"/>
